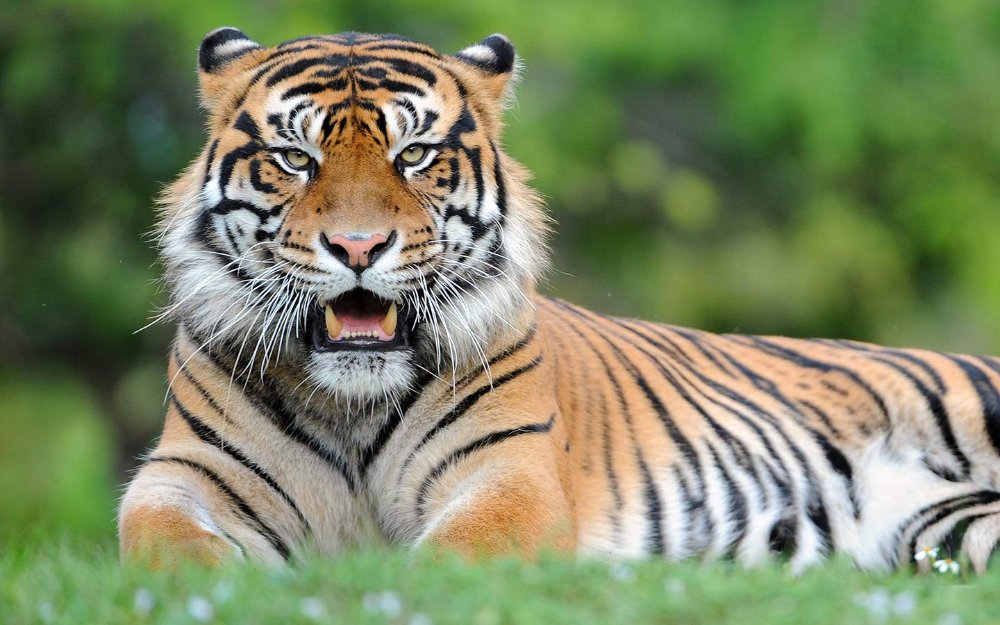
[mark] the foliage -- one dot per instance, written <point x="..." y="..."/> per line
<point x="795" y="167"/>
<point x="72" y="584"/>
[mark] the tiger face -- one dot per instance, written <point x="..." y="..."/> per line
<point x="352" y="211"/>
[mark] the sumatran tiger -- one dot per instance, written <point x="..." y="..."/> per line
<point x="362" y="358"/>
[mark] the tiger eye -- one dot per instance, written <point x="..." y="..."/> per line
<point x="413" y="154"/>
<point x="297" y="158"/>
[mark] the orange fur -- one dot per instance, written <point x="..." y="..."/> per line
<point x="165" y="537"/>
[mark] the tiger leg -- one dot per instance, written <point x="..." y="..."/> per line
<point x="501" y="500"/>
<point x="166" y="517"/>
<point x="975" y="516"/>
<point x="968" y="522"/>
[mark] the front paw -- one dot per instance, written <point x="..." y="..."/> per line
<point x="166" y="537"/>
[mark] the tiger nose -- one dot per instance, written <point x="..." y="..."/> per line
<point x="357" y="250"/>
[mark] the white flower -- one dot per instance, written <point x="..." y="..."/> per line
<point x="222" y="591"/>
<point x="487" y="616"/>
<point x="878" y="603"/>
<point x="904" y="604"/>
<point x="390" y="604"/>
<point x="370" y="602"/>
<point x="312" y="608"/>
<point x="143" y="602"/>
<point x="419" y="618"/>
<point x="947" y="565"/>
<point x="46" y="612"/>
<point x="200" y="609"/>
<point x="927" y="553"/>
<point x="621" y="572"/>
<point x="674" y="586"/>
<point x="387" y="603"/>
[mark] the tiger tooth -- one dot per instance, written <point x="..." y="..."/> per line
<point x="333" y="325"/>
<point x="388" y="322"/>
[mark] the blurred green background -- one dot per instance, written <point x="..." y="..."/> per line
<point x="795" y="167"/>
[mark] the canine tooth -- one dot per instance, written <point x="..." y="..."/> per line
<point x="388" y="322"/>
<point x="333" y="325"/>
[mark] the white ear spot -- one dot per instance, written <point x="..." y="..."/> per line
<point x="495" y="54"/>
<point x="222" y="46"/>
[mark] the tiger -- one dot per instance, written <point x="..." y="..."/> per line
<point x="363" y="359"/>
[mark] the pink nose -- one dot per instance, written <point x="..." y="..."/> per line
<point x="357" y="250"/>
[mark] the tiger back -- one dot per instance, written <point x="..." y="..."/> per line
<point x="362" y="357"/>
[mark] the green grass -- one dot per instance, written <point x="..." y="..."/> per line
<point x="64" y="582"/>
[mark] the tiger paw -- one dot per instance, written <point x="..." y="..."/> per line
<point x="167" y="537"/>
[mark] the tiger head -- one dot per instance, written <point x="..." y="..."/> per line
<point x="352" y="211"/>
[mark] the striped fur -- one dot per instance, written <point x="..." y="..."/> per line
<point x="513" y="422"/>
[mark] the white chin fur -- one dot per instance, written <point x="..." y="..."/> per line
<point x="361" y="376"/>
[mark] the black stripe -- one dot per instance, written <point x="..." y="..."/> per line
<point x="399" y="86"/>
<point x="486" y="441"/>
<point x="933" y="401"/>
<point x="211" y="437"/>
<point x="942" y="510"/>
<point x="923" y="365"/>
<point x="989" y="398"/>
<point x="821" y="415"/>
<point x="502" y="355"/>
<point x="468" y="401"/>
<point x="269" y="404"/>
<point x="371" y="452"/>
<point x="989" y="361"/>
<point x="809" y="363"/>
<point x="312" y="88"/>
<point x="209" y="160"/>
<point x="694" y="338"/>
<point x="609" y="472"/>
<point x="257" y="182"/>
<point x="735" y="502"/>
<point x="654" y="512"/>
<point x="290" y="427"/>
<point x="382" y="129"/>
<point x="248" y="512"/>
<point x="498" y="176"/>
<point x="246" y="124"/>
<point x="401" y="47"/>
<point x="294" y="68"/>
<point x="196" y="384"/>
<point x="816" y="511"/>
<point x="897" y="353"/>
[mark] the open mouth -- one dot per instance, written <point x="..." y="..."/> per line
<point x="360" y="320"/>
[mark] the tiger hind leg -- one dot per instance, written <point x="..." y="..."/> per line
<point x="974" y="517"/>
<point x="980" y="540"/>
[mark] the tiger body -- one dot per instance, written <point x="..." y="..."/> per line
<point x="492" y="419"/>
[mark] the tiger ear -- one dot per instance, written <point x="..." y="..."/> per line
<point x="222" y="51"/>
<point x="495" y="63"/>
